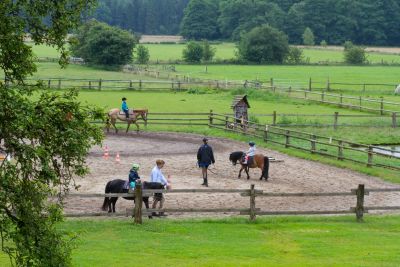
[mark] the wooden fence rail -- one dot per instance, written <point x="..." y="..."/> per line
<point x="137" y="212"/>
<point x="327" y="146"/>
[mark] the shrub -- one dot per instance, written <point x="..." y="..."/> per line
<point x="347" y="45"/>
<point x="308" y="37"/>
<point x="263" y="44"/>
<point x="208" y="51"/>
<point x="295" y="55"/>
<point x="355" y="55"/>
<point x="324" y="43"/>
<point x="100" y="44"/>
<point x="143" y="55"/>
<point x="193" y="52"/>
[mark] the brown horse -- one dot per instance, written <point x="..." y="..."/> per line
<point x="259" y="161"/>
<point x="134" y="115"/>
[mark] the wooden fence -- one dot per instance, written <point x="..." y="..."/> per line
<point x="327" y="146"/>
<point x="275" y="118"/>
<point x="137" y="212"/>
<point x="360" y="103"/>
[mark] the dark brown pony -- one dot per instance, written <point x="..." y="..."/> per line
<point x="259" y="161"/>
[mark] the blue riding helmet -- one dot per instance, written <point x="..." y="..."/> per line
<point x="251" y="143"/>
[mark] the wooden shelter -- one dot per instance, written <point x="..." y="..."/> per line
<point x="240" y="106"/>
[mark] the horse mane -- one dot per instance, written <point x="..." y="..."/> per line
<point x="235" y="156"/>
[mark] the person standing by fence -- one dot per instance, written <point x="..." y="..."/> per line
<point x="205" y="157"/>
<point x="157" y="176"/>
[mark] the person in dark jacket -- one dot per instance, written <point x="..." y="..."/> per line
<point x="205" y="157"/>
<point x="133" y="176"/>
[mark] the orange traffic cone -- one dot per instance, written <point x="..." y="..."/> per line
<point x="117" y="158"/>
<point x="106" y="155"/>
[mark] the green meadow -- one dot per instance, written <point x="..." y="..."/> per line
<point x="270" y="241"/>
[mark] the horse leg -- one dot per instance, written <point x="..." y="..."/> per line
<point x="129" y="124"/>
<point x="146" y="203"/>
<point x="114" y="201"/>
<point x="108" y="124"/>
<point x="247" y="172"/>
<point x="137" y="126"/>
<point x="113" y="121"/>
<point x="240" y="172"/>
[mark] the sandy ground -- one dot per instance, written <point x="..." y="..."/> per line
<point x="160" y="38"/>
<point x="179" y="152"/>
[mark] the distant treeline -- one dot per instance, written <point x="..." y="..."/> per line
<point x="143" y="16"/>
<point x="369" y="22"/>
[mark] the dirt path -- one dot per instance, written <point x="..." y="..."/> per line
<point x="179" y="152"/>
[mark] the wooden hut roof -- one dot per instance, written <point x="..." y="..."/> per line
<point x="238" y="98"/>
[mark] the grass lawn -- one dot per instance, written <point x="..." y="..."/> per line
<point x="271" y="241"/>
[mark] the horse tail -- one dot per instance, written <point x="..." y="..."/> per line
<point x="106" y="199"/>
<point x="266" y="168"/>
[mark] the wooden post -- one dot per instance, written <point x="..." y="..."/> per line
<point x="313" y="146"/>
<point x="138" y="203"/>
<point x="49" y="84"/>
<point x="266" y="134"/>
<point x="341" y="100"/>
<point x="309" y="84"/>
<point x="59" y="83"/>
<point x="290" y="89"/>
<point x="140" y="84"/>
<point x="305" y="94"/>
<point x="335" y="120"/>
<point x="274" y="118"/>
<point x="130" y="85"/>
<point x="360" y="202"/>
<point x="340" y="150"/>
<point x="272" y="82"/>
<point x="381" y="105"/>
<point x="252" y="203"/>
<point x="287" y="135"/>
<point x="394" y="122"/>
<point x="360" y="102"/>
<point x="100" y="84"/>
<point x="90" y="84"/>
<point x="369" y="164"/>
<point x="364" y="87"/>
<point x="179" y="85"/>
<point x="323" y="97"/>
<point x="328" y="85"/>
<point x="172" y="85"/>
<point x="211" y="117"/>
<point x="226" y="122"/>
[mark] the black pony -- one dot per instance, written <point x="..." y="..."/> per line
<point x="259" y="161"/>
<point x="118" y="186"/>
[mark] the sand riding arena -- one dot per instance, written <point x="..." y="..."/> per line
<point x="179" y="152"/>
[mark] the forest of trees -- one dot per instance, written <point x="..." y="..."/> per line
<point x="369" y="22"/>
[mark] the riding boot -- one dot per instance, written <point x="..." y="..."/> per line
<point x="204" y="181"/>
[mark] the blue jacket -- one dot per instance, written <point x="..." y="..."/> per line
<point x="133" y="176"/>
<point x="205" y="154"/>
<point x="124" y="106"/>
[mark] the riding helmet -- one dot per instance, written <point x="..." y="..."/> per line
<point x="251" y="143"/>
<point x="124" y="98"/>
<point x="135" y="166"/>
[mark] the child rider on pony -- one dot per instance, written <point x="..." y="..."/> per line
<point x="134" y="176"/>
<point x="250" y="153"/>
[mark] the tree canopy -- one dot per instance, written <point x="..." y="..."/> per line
<point x="100" y="44"/>
<point x="47" y="134"/>
<point x="361" y="21"/>
<point x="263" y="44"/>
<point x="200" y="20"/>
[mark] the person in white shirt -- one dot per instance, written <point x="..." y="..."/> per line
<point x="157" y="176"/>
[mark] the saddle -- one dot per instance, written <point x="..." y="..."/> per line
<point x="131" y="112"/>
<point x="250" y="160"/>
